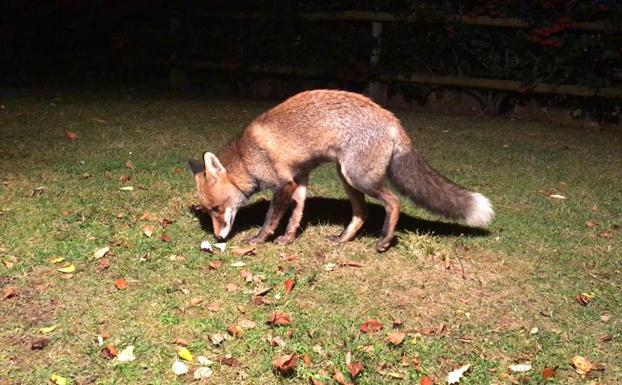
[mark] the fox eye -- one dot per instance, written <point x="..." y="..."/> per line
<point x="215" y="209"/>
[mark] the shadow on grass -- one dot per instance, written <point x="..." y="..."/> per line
<point x="338" y="212"/>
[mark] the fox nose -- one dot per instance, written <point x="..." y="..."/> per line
<point x="219" y="238"/>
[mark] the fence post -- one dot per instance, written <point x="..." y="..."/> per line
<point x="375" y="89"/>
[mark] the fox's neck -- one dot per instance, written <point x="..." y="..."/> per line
<point x="236" y="170"/>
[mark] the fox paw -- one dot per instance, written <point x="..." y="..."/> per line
<point x="383" y="245"/>
<point x="284" y="240"/>
<point x="254" y="240"/>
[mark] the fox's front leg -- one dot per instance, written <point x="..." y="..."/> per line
<point x="299" y="195"/>
<point x="278" y="205"/>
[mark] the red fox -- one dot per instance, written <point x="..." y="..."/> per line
<point x="279" y="149"/>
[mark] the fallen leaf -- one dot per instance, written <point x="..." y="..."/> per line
<point x="56" y="260"/>
<point x="605" y="317"/>
<point x="590" y="224"/>
<point x="238" y="264"/>
<point x="329" y="266"/>
<point x="104" y="264"/>
<point x="204" y="361"/>
<point x="289" y="285"/>
<point x="126" y="188"/>
<point x="9" y="292"/>
<point x="127" y="354"/>
<point x="340" y="378"/>
<point x="350" y="263"/>
<point x="355" y="368"/>
<point x="58" y="380"/>
<point x="148" y="230"/>
<point x="120" y="284"/>
<point x="215" y="265"/>
<point x="180" y="341"/>
<point x="278" y="318"/>
<point x="275" y="341"/>
<point x="71" y="135"/>
<point x="202" y="372"/>
<point x="584" y="298"/>
<point x="235" y="331"/>
<point x="206" y="247"/>
<point x="239" y="251"/>
<point x="229" y="360"/>
<point x="247" y="324"/>
<point x="581" y="364"/>
<point x="306" y="359"/>
<point x="213" y="307"/>
<point x="370" y="326"/>
<point x="425" y="380"/>
<point x="285" y="364"/>
<point x="48" y="329"/>
<point x="124" y="178"/>
<point x="68" y="269"/>
<point x="129" y="164"/>
<point x="100" y="253"/>
<point x="520" y="368"/>
<point x="454" y="376"/>
<point x="179" y="368"/>
<point x="109" y="352"/>
<point x="185" y="354"/>
<point x="314" y="381"/>
<point x="396" y="338"/>
<point x="247" y="275"/>
<point x="557" y="196"/>
<point x="196" y="301"/>
<point x="605" y="234"/>
<point x="217" y="339"/>
<point x="165" y="237"/>
<point x="261" y="291"/>
<point x="548" y="373"/>
<point x="231" y="287"/>
<point x="39" y="343"/>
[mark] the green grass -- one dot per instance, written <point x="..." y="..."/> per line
<point x="525" y="273"/>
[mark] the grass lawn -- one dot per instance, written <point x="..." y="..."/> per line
<point x="459" y="297"/>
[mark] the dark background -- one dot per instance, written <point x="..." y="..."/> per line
<point x="271" y="50"/>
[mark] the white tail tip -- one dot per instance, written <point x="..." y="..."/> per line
<point x="481" y="211"/>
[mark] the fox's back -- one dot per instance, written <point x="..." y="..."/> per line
<point x="325" y="123"/>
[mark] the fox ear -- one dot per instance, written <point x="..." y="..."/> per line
<point x="196" y="166"/>
<point x="213" y="166"/>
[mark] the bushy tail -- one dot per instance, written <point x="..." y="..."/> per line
<point x="413" y="177"/>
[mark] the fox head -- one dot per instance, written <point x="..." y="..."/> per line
<point x="219" y="197"/>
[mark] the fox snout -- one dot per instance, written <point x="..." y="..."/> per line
<point x="222" y="223"/>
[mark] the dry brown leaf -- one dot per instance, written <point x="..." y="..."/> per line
<point x="370" y="326"/>
<point x="278" y="318"/>
<point x="581" y="364"/>
<point x="275" y="341"/>
<point x="306" y="359"/>
<point x="9" y="292"/>
<point x="396" y="338"/>
<point x="71" y="135"/>
<point x="285" y="364"/>
<point x="180" y="341"/>
<point x="164" y="222"/>
<point x="120" y="284"/>
<point x="239" y="251"/>
<point x="109" y="352"/>
<point x="340" y="378"/>
<point x="229" y="360"/>
<point x="313" y="381"/>
<point x="349" y="263"/>
<point x="129" y="164"/>
<point x="124" y="178"/>
<point x="425" y="380"/>
<point x="247" y="275"/>
<point x="104" y="264"/>
<point x="231" y="287"/>
<point x="196" y="301"/>
<point x="235" y="331"/>
<point x="289" y="285"/>
<point x="165" y="237"/>
<point x="213" y="307"/>
<point x="590" y="223"/>
<point x="548" y="373"/>
<point x="39" y="343"/>
<point x="605" y="234"/>
<point x="148" y="230"/>
<point x="355" y="368"/>
<point x="583" y="298"/>
<point x="247" y="324"/>
<point x="215" y="265"/>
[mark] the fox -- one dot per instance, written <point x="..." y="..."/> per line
<point x="278" y="150"/>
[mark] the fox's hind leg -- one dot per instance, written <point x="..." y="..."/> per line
<point x="359" y="211"/>
<point x="373" y="185"/>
